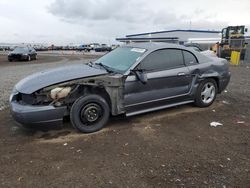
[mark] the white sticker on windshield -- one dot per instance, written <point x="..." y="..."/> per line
<point x="139" y="50"/>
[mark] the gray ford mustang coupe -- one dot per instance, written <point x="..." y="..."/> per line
<point x="132" y="79"/>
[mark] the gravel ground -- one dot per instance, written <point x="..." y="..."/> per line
<point x="11" y="73"/>
<point x="171" y="148"/>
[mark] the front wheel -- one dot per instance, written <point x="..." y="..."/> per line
<point x="206" y="93"/>
<point x="89" y="113"/>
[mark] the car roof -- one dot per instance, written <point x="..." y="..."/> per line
<point x="27" y="47"/>
<point x="151" y="46"/>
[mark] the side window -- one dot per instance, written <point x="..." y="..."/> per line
<point x="163" y="60"/>
<point x="189" y="58"/>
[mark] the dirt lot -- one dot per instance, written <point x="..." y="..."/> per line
<point x="12" y="72"/>
<point x="170" y="148"/>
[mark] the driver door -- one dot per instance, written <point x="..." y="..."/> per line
<point x="168" y="80"/>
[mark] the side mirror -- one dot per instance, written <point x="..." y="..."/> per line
<point x="246" y="30"/>
<point x="140" y="75"/>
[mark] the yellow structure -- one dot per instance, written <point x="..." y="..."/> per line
<point x="235" y="58"/>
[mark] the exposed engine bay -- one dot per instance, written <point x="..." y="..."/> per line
<point x="64" y="94"/>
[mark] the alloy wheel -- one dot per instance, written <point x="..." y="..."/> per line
<point x="208" y="93"/>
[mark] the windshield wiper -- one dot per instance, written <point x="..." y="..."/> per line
<point x="105" y="67"/>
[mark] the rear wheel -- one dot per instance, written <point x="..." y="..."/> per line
<point x="89" y="113"/>
<point x="206" y="93"/>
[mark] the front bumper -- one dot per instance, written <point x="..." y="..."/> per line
<point x="18" y="57"/>
<point x="37" y="115"/>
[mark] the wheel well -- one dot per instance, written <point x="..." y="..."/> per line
<point x="217" y="82"/>
<point x="99" y="91"/>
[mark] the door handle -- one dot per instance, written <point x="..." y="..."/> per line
<point x="181" y="74"/>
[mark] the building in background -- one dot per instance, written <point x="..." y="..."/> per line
<point x="180" y="36"/>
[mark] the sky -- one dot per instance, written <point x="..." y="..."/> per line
<point x="66" y="22"/>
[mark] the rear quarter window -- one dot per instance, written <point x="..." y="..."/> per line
<point x="189" y="58"/>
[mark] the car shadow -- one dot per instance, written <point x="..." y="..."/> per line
<point x="119" y="122"/>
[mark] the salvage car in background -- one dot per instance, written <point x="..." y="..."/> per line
<point x="130" y="80"/>
<point x="195" y="47"/>
<point x="22" y="54"/>
<point x="84" y="47"/>
<point x="103" y="48"/>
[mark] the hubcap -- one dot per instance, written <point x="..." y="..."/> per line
<point x="208" y="93"/>
<point x="91" y="113"/>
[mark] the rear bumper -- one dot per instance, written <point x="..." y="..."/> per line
<point x="224" y="82"/>
<point x="37" y="115"/>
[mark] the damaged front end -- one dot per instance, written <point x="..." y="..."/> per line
<point x="48" y="105"/>
<point x="51" y="104"/>
<point x="32" y="109"/>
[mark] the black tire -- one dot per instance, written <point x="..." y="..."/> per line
<point x="89" y="113"/>
<point x="35" y="57"/>
<point x="10" y="60"/>
<point x="200" y="98"/>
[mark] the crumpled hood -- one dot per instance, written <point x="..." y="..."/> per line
<point x="50" y="77"/>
